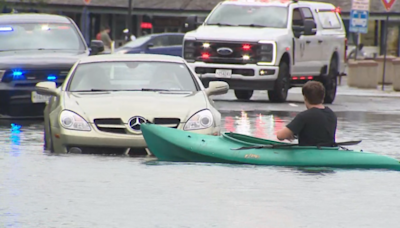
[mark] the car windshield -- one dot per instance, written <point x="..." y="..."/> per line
<point x="245" y="15"/>
<point x="138" y="42"/>
<point x="132" y="76"/>
<point x="39" y="37"/>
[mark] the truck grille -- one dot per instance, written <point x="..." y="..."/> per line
<point x="228" y="52"/>
<point x="116" y="125"/>
<point x="211" y="70"/>
<point x="25" y="78"/>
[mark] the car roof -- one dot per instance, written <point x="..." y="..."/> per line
<point x="33" y="18"/>
<point x="130" y="57"/>
<point x="284" y="3"/>
<point x="167" y="34"/>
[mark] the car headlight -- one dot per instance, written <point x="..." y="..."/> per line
<point x="201" y="120"/>
<point x="72" y="121"/>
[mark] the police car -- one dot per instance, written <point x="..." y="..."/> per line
<point x="269" y="45"/>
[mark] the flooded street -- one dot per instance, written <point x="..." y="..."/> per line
<point x="41" y="190"/>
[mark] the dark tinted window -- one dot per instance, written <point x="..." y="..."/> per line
<point x="307" y="13"/>
<point x="39" y="36"/>
<point x="160" y="41"/>
<point x="176" y="40"/>
<point x="138" y="42"/>
<point x="132" y="76"/>
<point x="297" y="19"/>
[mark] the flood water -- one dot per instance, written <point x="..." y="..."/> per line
<point x="41" y="190"/>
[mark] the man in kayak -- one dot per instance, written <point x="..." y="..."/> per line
<point x="315" y="126"/>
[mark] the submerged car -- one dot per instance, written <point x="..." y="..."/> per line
<point x="105" y="99"/>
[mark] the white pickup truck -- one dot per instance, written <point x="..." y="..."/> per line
<point x="269" y="45"/>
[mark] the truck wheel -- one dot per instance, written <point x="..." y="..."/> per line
<point x="243" y="94"/>
<point x="330" y="83"/>
<point x="282" y="84"/>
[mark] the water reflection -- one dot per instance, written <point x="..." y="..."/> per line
<point x="378" y="131"/>
<point x="259" y="125"/>
<point x="39" y="191"/>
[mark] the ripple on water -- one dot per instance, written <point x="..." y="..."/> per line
<point x="39" y="189"/>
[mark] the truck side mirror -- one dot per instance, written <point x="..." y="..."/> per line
<point x="310" y="28"/>
<point x="190" y="24"/>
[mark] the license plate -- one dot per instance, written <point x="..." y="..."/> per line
<point x="38" y="98"/>
<point x="223" y="73"/>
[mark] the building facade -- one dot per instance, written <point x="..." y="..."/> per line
<point x="156" y="16"/>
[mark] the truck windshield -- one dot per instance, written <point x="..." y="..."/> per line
<point x="245" y="15"/>
<point x="33" y="36"/>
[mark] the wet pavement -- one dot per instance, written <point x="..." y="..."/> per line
<point x="42" y="190"/>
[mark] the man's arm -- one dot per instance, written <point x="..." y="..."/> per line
<point x="285" y="133"/>
<point x="293" y="128"/>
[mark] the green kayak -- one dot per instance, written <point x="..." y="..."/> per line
<point x="169" y="144"/>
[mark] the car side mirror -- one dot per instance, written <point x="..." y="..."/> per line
<point x="150" y="45"/>
<point x="217" y="88"/>
<point x="47" y="88"/>
<point x="310" y="28"/>
<point x="96" y="47"/>
<point x="190" y="24"/>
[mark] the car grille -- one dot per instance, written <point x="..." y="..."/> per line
<point x="239" y="52"/>
<point x="116" y="125"/>
<point x="27" y="78"/>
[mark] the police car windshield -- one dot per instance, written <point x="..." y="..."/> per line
<point x="34" y="36"/>
<point x="249" y="15"/>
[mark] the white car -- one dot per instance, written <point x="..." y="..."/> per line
<point x="268" y="45"/>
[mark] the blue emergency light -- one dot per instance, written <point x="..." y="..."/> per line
<point x="6" y="29"/>
<point x="17" y="75"/>
<point x="51" y="78"/>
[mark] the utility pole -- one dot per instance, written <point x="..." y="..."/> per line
<point x="129" y="19"/>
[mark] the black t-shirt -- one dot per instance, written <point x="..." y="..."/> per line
<point x="315" y="127"/>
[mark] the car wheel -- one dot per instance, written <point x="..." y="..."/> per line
<point x="282" y="84"/>
<point x="48" y="140"/>
<point x="243" y="94"/>
<point x="330" y="83"/>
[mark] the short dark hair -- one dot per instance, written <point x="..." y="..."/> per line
<point x="314" y="92"/>
<point x="105" y="27"/>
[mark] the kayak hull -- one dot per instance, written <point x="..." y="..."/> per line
<point x="169" y="144"/>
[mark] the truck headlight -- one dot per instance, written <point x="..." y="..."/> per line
<point x="201" y="120"/>
<point x="267" y="52"/>
<point x="72" y="121"/>
<point x="189" y="50"/>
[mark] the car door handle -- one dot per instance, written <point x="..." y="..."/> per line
<point x="308" y="41"/>
<point x="320" y="41"/>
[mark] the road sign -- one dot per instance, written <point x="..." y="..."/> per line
<point x="360" y="5"/>
<point x="359" y="16"/>
<point x="87" y="2"/>
<point x="388" y="4"/>
<point x="359" y="21"/>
